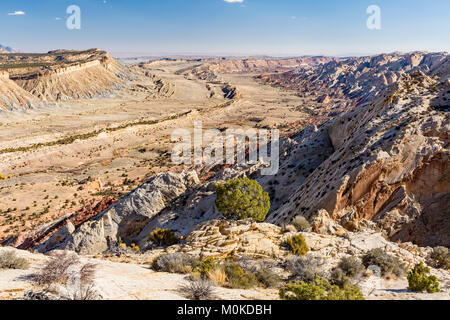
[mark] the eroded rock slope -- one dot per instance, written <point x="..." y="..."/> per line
<point x="383" y="165"/>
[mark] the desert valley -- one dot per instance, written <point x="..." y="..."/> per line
<point x="86" y="172"/>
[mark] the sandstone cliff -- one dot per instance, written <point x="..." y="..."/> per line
<point x="28" y="79"/>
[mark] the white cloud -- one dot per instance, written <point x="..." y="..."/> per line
<point x="234" y="1"/>
<point x="16" y="13"/>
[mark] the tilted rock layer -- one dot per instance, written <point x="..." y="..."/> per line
<point x="390" y="164"/>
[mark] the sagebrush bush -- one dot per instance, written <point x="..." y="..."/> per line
<point x="297" y="245"/>
<point x="266" y="278"/>
<point x="57" y="269"/>
<point x="440" y="258"/>
<point x="351" y="266"/>
<point x="319" y="289"/>
<point x="163" y="237"/>
<point x="386" y="262"/>
<point x="301" y="224"/>
<point x="9" y="260"/>
<point x="242" y="198"/>
<point x="419" y="279"/>
<point x="237" y="278"/>
<point x="199" y="289"/>
<point x="175" y="263"/>
<point x="339" y="278"/>
<point x="307" y="268"/>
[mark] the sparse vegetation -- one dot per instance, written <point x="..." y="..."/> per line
<point x="198" y="289"/>
<point x="440" y="258"/>
<point x="319" y="289"/>
<point x="387" y="262"/>
<point x="297" y="245"/>
<point x="9" y="260"/>
<point x="205" y="267"/>
<point x="307" y="268"/>
<point x="348" y="269"/>
<point x="419" y="279"/>
<point x="267" y="278"/>
<point x="237" y="278"/>
<point x="175" y="263"/>
<point x="339" y="277"/>
<point x="242" y="198"/>
<point x="163" y="237"/>
<point x="66" y="269"/>
<point x="351" y="266"/>
<point x="56" y="270"/>
<point x="218" y="276"/>
<point x="85" y="136"/>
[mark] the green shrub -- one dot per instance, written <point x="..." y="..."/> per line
<point x="387" y="263"/>
<point x="440" y="257"/>
<point x="319" y="289"/>
<point x="419" y="279"/>
<point x="163" y="237"/>
<point x="175" y="263"/>
<point x="9" y="260"/>
<point x="205" y="267"/>
<point x="237" y="278"/>
<point x="297" y="245"/>
<point x="301" y="224"/>
<point x="242" y="198"/>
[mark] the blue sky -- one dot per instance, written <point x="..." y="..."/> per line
<point x="273" y="27"/>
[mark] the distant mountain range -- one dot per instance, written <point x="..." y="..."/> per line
<point x="5" y="49"/>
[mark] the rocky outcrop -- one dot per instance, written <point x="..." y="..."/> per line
<point x="354" y="81"/>
<point x="230" y="92"/>
<point x="49" y="236"/>
<point x="127" y="217"/>
<point x="390" y="165"/>
<point x="223" y="239"/>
